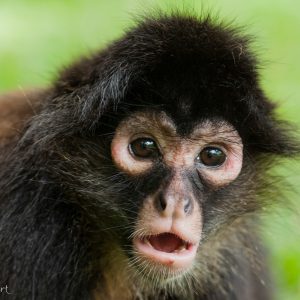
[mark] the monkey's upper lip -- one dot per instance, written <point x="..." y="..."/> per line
<point x="167" y="249"/>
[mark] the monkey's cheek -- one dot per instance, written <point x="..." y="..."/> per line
<point x="177" y="261"/>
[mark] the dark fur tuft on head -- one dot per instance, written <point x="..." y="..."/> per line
<point x="197" y="62"/>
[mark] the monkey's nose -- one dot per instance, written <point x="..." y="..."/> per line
<point x="171" y="205"/>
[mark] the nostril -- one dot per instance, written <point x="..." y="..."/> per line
<point x="162" y="203"/>
<point x="181" y="204"/>
<point x="187" y="205"/>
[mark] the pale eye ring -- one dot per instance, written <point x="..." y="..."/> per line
<point x="211" y="156"/>
<point x="145" y="148"/>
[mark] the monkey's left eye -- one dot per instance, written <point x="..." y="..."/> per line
<point x="211" y="157"/>
<point x="144" y="148"/>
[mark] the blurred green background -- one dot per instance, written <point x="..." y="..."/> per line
<point x="38" y="37"/>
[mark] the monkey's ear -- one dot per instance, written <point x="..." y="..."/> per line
<point x="279" y="138"/>
<point x="266" y="133"/>
<point x="79" y="98"/>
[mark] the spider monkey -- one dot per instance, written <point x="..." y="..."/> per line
<point x="141" y="171"/>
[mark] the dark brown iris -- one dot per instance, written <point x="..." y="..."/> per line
<point x="144" y="148"/>
<point x="211" y="157"/>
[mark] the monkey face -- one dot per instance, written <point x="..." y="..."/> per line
<point x="168" y="230"/>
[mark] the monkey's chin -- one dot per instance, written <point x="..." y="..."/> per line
<point x="166" y="250"/>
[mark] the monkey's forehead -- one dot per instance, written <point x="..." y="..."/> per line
<point x="165" y="125"/>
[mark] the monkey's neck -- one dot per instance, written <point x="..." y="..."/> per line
<point x="115" y="281"/>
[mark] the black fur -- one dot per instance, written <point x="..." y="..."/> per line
<point x="63" y="203"/>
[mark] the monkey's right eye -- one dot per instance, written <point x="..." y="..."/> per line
<point x="211" y="157"/>
<point x="144" y="148"/>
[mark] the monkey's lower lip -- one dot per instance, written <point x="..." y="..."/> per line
<point x="167" y="249"/>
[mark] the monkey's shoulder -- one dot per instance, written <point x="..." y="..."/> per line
<point x="16" y="108"/>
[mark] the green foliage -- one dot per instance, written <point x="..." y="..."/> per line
<point x="38" y="37"/>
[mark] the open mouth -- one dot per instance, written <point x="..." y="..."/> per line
<point x="167" y="242"/>
<point x="167" y="249"/>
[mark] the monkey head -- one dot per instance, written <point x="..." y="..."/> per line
<point x="180" y="137"/>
